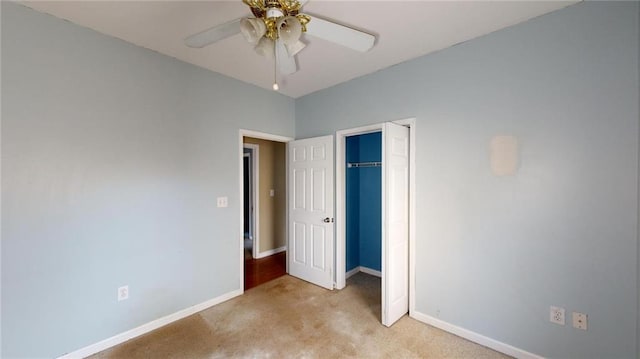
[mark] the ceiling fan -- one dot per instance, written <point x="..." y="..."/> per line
<point x="276" y="29"/>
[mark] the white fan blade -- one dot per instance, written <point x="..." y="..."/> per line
<point x="340" y="34"/>
<point x="213" y="34"/>
<point x="286" y="63"/>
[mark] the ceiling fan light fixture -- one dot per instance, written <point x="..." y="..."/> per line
<point x="253" y="29"/>
<point x="266" y="48"/>
<point x="276" y="31"/>
<point x="289" y="29"/>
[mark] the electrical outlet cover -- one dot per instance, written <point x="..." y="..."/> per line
<point x="123" y="293"/>
<point x="556" y="315"/>
<point x="223" y="202"/>
<point x="580" y="320"/>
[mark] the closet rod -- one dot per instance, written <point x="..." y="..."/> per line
<point x="363" y="164"/>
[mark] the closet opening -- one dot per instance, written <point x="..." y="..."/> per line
<point x="363" y="194"/>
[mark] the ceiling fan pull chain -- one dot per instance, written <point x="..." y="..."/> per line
<point x="275" y="70"/>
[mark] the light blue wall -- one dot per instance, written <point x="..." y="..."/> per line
<point x="493" y="253"/>
<point x="364" y="202"/>
<point x="112" y="159"/>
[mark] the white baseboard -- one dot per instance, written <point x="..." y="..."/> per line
<point x="271" y="252"/>
<point x="351" y="272"/>
<point x="370" y="271"/>
<point x="363" y="270"/>
<point x="475" y="337"/>
<point x="145" y="328"/>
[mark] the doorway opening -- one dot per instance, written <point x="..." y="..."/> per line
<point x="363" y="193"/>
<point x="263" y="211"/>
<point x="363" y="217"/>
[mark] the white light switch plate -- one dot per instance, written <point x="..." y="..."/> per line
<point x="123" y="293"/>
<point x="272" y="192"/>
<point x="223" y="202"/>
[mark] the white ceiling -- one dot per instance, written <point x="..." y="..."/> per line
<point x="404" y="30"/>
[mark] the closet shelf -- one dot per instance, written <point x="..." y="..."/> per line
<point x="363" y="164"/>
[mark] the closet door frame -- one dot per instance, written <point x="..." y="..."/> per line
<point x="340" y="257"/>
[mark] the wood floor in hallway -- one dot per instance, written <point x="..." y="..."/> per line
<point x="290" y="318"/>
<point x="259" y="271"/>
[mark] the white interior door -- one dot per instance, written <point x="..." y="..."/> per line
<point x="395" y="219"/>
<point x="311" y="227"/>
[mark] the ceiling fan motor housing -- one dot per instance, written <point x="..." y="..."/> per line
<point x="272" y="3"/>
<point x="273" y="13"/>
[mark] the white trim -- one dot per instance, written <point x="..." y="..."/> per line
<point x="255" y="184"/>
<point x="363" y="269"/>
<point x="370" y="271"/>
<point x="340" y="260"/>
<point x="384" y="261"/>
<point x="352" y="272"/>
<point x="286" y="199"/>
<point x="474" y="337"/>
<point x="146" y="328"/>
<point x="265" y="136"/>
<point x="270" y="252"/>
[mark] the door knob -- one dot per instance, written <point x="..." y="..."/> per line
<point x="328" y="220"/>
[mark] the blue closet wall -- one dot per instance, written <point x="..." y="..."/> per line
<point x="364" y="202"/>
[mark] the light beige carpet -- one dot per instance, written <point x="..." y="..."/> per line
<point x="289" y="318"/>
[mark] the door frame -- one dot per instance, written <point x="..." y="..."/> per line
<point x="254" y="182"/>
<point x="340" y="234"/>
<point x="242" y="133"/>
